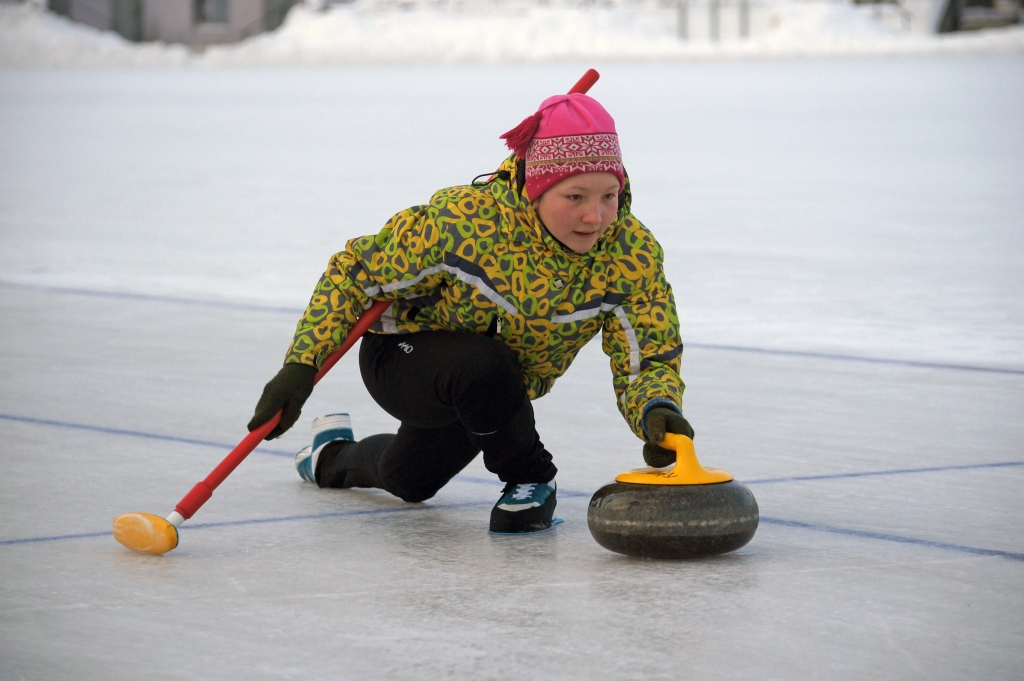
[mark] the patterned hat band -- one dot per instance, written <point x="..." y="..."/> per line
<point x="599" y="148"/>
<point x="552" y="159"/>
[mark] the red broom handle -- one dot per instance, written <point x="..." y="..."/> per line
<point x="202" y="492"/>
<point x="585" y="83"/>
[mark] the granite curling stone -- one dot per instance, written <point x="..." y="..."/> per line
<point x="683" y="512"/>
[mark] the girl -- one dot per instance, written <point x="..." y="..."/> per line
<point x="496" y="286"/>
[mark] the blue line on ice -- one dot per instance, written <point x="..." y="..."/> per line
<point x="856" y="358"/>
<point x="891" y="471"/>
<point x="563" y="492"/>
<point x="281" y="519"/>
<point x="279" y="452"/>
<point x="59" y="537"/>
<point x="469" y="504"/>
<point x="151" y="298"/>
<point x="137" y="433"/>
<point x="893" y="537"/>
<point x="703" y="346"/>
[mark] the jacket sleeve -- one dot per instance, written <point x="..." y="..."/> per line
<point x="402" y="259"/>
<point x="641" y="337"/>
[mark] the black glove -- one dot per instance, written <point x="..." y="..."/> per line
<point x="289" y="389"/>
<point x="659" y="421"/>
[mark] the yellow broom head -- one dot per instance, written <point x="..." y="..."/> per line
<point x="146" y="533"/>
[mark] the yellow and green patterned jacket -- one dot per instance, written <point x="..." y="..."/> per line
<point x="478" y="259"/>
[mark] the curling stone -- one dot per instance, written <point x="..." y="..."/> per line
<point x="687" y="511"/>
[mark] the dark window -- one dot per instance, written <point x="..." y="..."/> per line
<point x="126" y="18"/>
<point x="275" y="12"/>
<point x="59" y="7"/>
<point x="211" y="11"/>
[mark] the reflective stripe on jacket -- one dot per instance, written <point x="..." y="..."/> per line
<point x="477" y="259"/>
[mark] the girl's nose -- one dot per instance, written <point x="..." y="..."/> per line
<point x="592" y="214"/>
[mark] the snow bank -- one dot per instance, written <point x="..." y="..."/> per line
<point x="32" y="37"/>
<point x="372" y="32"/>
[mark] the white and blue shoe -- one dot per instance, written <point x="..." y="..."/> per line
<point x="524" y="508"/>
<point x="326" y="429"/>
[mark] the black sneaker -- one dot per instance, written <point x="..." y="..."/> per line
<point x="524" y="508"/>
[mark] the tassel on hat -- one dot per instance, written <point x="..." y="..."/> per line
<point x="518" y="138"/>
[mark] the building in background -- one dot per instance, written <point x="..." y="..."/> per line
<point x="204" y="22"/>
<point x="967" y="15"/>
<point x="192" y="22"/>
<point x="947" y="16"/>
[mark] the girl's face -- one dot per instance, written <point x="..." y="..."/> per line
<point x="579" y="209"/>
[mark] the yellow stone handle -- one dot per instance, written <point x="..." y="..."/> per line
<point x="687" y="470"/>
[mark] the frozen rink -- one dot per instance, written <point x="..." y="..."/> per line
<point x="846" y="244"/>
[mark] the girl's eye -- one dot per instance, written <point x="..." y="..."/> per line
<point x="610" y="196"/>
<point x="575" y="197"/>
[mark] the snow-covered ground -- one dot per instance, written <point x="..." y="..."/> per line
<point x="160" y="229"/>
<point x="375" y="32"/>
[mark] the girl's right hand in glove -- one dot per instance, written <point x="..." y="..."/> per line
<point x="289" y="389"/>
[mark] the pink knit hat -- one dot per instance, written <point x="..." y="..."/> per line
<point x="569" y="135"/>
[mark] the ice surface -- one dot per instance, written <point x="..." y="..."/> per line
<point x="857" y="208"/>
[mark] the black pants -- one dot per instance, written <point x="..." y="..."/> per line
<point x="455" y="394"/>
